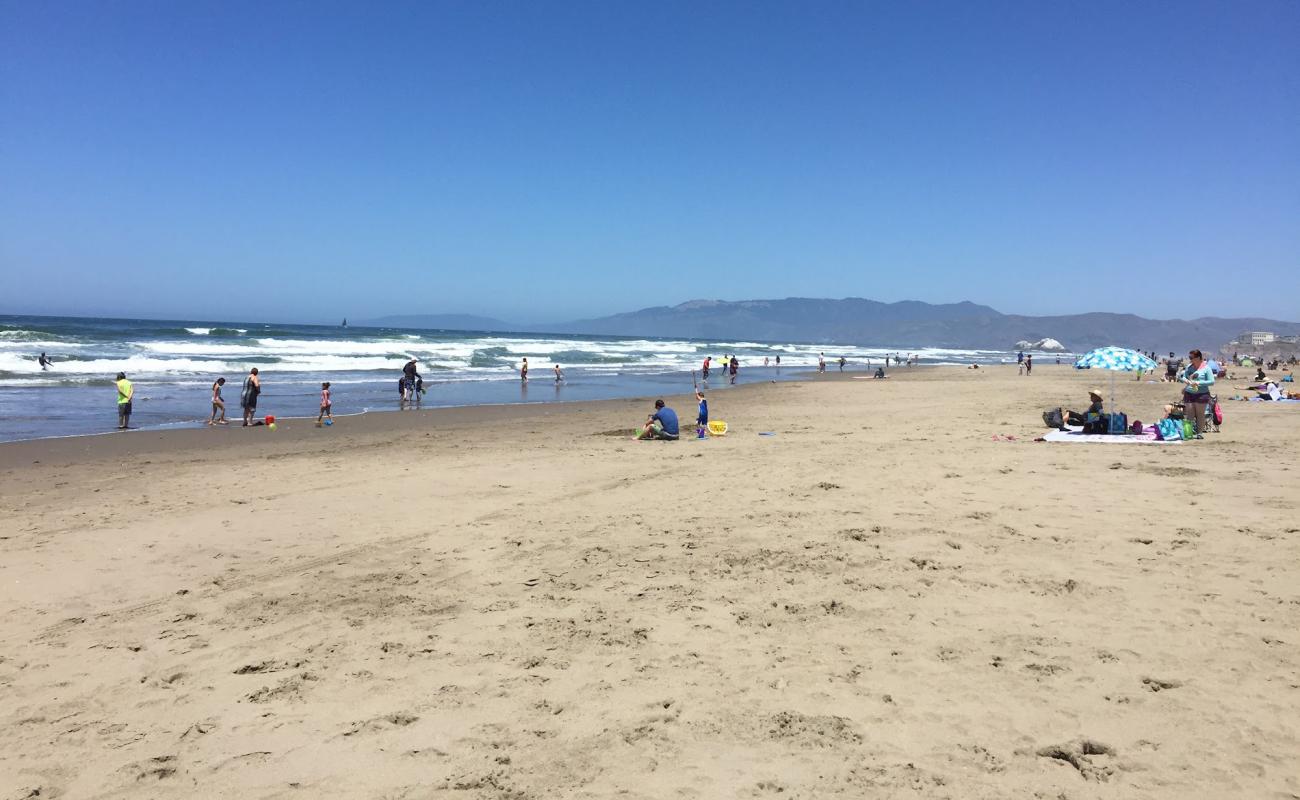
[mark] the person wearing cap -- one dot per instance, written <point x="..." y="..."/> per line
<point x="661" y="425"/>
<point x="1198" y="382"/>
<point x="1091" y="416"/>
<point x="125" y="391"/>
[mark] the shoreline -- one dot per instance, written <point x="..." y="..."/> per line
<point x="294" y="431"/>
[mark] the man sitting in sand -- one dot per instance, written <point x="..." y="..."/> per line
<point x="880" y="374"/>
<point x="1091" y="416"/>
<point x="661" y="425"/>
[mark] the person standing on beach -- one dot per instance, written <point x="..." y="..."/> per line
<point x="704" y="368"/>
<point x="735" y="368"/>
<point x="821" y="362"/>
<point x="843" y="361"/>
<point x="559" y="376"/>
<point x="1029" y="364"/>
<point x="217" y="403"/>
<point x="411" y="383"/>
<point x="523" y="370"/>
<point x="125" y="391"/>
<point x="248" y="397"/>
<point x="1197" y="382"/>
<point x="326" y="407"/>
<point x="701" y="416"/>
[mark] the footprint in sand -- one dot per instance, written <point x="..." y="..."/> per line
<point x="1092" y="759"/>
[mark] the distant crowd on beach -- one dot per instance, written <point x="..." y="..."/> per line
<point x="411" y="386"/>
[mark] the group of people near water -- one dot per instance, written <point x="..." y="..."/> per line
<point x="523" y="372"/>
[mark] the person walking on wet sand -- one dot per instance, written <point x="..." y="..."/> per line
<point x="821" y="362"/>
<point x="559" y="376"/>
<point x="218" y="404"/>
<point x="523" y="370"/>
<point x="125" y="392"/>
<point x="326" y="407"/>
<point x="704" y="368"/>
<point x="843" y="361"/>
<point x="735" y="368"/>
<point x="248" y="397"/>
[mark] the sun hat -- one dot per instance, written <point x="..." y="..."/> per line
<point x="1095" y="393"/>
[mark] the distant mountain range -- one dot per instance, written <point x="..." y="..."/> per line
<point x="907" y="324"/>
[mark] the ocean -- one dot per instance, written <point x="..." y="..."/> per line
<point x="173" y="363"/>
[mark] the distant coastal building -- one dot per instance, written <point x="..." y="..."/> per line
<point x="1289" y="339"/>
<point x="1257" y="338"/>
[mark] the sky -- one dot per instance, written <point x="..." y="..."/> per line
<point x="540" y="162"/>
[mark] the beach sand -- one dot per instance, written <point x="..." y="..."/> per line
<point x="886" y="598"/>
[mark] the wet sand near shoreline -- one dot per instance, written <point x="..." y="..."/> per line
<point x="898" y="594"/>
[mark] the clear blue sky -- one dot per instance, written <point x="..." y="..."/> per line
<point x="545" y="161"/>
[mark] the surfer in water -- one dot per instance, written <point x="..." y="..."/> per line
<point x="44" y="361"/>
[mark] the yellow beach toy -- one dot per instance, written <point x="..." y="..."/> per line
<point x="717" y="427"/>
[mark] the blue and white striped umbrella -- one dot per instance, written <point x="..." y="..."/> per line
<point x="1116" y="358"/>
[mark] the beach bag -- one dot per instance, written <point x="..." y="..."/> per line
<point x="1052" y="418"/>
<point x="1118" y="424"/>
<point x="1218" y="413"/>
<point x="1189" y="430"/>
<point x="1169" y="430"/>
<point x="1136" y="427"/>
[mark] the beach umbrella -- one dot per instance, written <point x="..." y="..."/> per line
<point x="1115" y="359"/>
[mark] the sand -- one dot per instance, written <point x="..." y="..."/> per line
<point x="887" y="598"/>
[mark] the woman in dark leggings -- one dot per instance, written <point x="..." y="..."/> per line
<point x="1198" y="380"/>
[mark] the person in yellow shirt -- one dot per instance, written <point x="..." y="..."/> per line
<point x="125" y="391"/>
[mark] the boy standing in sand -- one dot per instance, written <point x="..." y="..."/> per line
<point x="125" y="391"/>
<point x="325" y="405"/>
<point x="218" y="404"/>
<point x="702" y="416"/>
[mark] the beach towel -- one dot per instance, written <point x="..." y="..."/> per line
<point x="1078" y="436"/>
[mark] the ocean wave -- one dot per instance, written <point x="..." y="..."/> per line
<point x="217" y="331"/>
<point x="22" y="335"/>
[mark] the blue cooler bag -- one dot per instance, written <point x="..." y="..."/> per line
<point x="1118" y="423"/>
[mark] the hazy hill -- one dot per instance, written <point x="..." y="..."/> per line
<point x="915" y="324"/>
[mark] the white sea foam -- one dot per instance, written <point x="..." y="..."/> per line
<point x="199" y="331"/>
